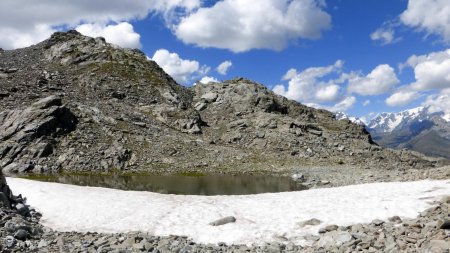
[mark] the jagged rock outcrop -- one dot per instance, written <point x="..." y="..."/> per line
<point x="28" y="136"/>
<point x="5" y="192"/>
<point x="130" y="115"/>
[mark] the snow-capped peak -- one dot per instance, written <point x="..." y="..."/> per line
<point x="386" y="122"/>
<point x="343" y="115"/>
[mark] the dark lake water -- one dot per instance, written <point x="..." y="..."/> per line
<point x="182" y="184"/>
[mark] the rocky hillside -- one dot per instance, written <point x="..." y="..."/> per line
<point x="78" y="103"/>
<point x="415" y="129"/>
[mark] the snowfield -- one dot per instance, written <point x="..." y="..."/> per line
<point x="260" y="218"/>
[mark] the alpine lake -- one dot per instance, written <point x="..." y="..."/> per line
<point x="181" y="184"/>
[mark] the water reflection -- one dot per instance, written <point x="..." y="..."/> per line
<point x="180" y="184"/>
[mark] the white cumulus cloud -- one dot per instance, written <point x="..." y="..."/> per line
<point x="208" y="79"/>
<point x="432" y="71"/>
<point x="11" y="38"/>
<point x="328" y="92"/>
<point x="310" y="87"/>
<point x="183" y="71"/>
<point x="431" y="16"/>
<point x="240" y="26"/>
<point x="307" y="86"/>
<point x="121" y="34"/>
<point x="24" y="22"/>
<point x="223" y="67"/>
<point x="402" y="96"/>
<point x="379" y="81"/>
<point x="344" y="105"/>
<point x="384" y="35"/>
<point x="439" y="102"/>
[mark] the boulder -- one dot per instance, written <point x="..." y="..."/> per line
<point x="209" y="97"/>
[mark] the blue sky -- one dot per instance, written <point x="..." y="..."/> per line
<point x="344" y="55"/>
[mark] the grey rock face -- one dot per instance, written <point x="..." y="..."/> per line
<point x="28" y="135"/>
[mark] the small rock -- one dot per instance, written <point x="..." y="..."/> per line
<point x="445" y="225"/>
<point x="11" y="70"/>
<point x="310" y="222"/>
<point x="10" y="241"/>
<point x="324" y="182"/>
<point x="328" y="228"/>
<point x="42" y="243"/>
<point x="21" y="234"/>
<point x="298" y="177"/>
<point x="118" y="95"/>
<point x="377" y="222"/>
<point x="22" y="209"/>
<point x="395" y="219"/>
<point x="200" y="106"/>
<point x="223" y="221"/>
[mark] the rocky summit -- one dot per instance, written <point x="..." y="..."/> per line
<point x="80" y="104"/>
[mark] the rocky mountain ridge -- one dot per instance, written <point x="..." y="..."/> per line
<point x="127" y="114"/>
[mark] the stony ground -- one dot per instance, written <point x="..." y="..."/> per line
<point x="318" y="177"/>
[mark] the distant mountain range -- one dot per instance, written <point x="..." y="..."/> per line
<point x="416" y="129"/>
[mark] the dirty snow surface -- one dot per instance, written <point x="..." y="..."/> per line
<point x="260" y="218"/>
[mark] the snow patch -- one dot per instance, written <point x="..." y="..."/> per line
<point x="446" y="117"/>
<point x="260" y="218"/>
<point x="393" y="123"/>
